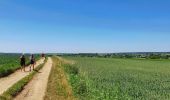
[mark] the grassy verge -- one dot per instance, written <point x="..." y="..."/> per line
<point x="58" y="87"/>
<point x="18" y="87"/>
<point x="76" y="80"/>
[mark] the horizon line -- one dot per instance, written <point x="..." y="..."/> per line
<point x="83" y="52"/>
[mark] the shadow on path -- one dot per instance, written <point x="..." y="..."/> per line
<point x="37" y="71"/>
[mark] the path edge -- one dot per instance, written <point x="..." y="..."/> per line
<point x="15" y="89"/>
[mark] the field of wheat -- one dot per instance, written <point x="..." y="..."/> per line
<point x="122" y="79"/>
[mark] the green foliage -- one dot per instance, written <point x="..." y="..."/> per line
<point x="71" y="69"/>
<point x="143" y="55"/>
<point x="77" y="81"/>
<point x="11" y="62"/>
<point x="8" y="64"/>
<point x="121" y="79"/>
<point x="154" y="56"/>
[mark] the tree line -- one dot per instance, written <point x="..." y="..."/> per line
<point x="144" y="55"/>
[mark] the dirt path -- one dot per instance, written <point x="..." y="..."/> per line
<point x="8" y="81"/>
<point x="35" y="90"/>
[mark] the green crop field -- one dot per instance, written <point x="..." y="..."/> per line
<point x="10" y="62"/>
<point x="122" y="79"/>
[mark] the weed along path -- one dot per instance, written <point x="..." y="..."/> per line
<point x="35" y="90"/>
<point x="10" y="80"/>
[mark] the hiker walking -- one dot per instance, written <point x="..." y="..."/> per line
<point x="22" y="62"/>
<point x="42" y="55"/>
<point x="32" y="61"/>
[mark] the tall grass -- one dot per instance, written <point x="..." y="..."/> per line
<point x="122" y="79"/>
<point x="76" y="80"/>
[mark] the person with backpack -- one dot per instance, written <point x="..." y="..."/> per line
<point x="32" y="62"/>
<point x="22" y="62"/>
<point x="42" y="55"/>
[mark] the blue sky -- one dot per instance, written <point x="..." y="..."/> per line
<point x="84" y="26"/>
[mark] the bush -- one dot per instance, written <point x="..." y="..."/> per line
<point x="77" y="81"/>
<point x="154" y="56"/>
<point x="82" y="88"/>
<point x="72" y="69"/>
